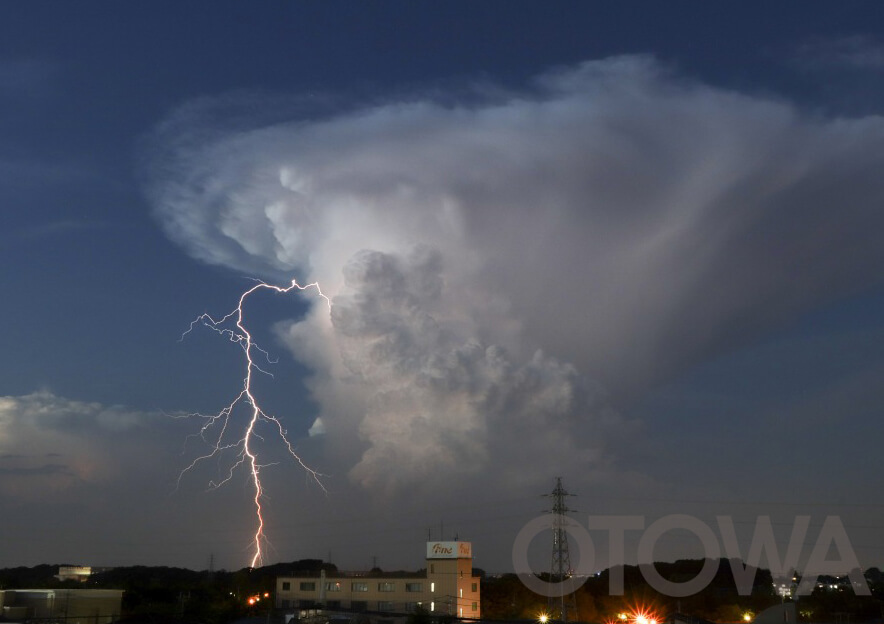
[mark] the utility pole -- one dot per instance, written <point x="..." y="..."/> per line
<point x="560" y="562"/>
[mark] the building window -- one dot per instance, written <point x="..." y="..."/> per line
<point x="286" y="586"/>
<point x="460" y="591"/>
<point x="308" y="586"/>
<point x="475" y="606"/>
<point x="359" y="587"/>
<point x="432" y="568"/>
<point x="358" y="605"/>
<point x="411" y="607"/>
<point x="385" y="605"/>
<point x="474" y="587"/>
<point x="414" y="587"/>
<point x="432" y="586"/>
<point x="333" y="604"/>
<point x="333" y="586"/>
<point x="386" y="587"/>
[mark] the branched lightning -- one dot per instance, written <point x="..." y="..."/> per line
<point x="217" y="428"/>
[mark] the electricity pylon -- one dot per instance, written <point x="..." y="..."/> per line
<point x="560" y="563"/>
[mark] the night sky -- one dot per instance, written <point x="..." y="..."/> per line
<point x="633" y="245"/>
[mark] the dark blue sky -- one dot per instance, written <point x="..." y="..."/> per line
<point x="664" y="216"/>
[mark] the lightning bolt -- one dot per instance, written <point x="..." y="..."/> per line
<point x="217" y="428"/>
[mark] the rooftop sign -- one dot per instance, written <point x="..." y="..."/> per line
<point x="449" y="550"/>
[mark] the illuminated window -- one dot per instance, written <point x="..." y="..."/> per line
<point x="333" y="586"/>
<point x="432" y="587"/>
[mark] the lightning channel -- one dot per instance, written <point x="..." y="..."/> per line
<point x="219" y="431"/>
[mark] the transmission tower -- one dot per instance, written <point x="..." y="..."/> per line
<point x="560" y="563"/>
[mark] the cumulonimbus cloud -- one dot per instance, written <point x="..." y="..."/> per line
<point x="612" y="221"/>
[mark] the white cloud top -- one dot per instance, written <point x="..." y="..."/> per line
<point x="486" y="260"/>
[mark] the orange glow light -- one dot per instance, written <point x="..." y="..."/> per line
<point x="642" y="615"/>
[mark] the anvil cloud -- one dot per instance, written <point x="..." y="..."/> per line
<point x="507" y="267"/>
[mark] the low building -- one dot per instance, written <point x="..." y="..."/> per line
<point x="74" y="573"/>
<point x="446" y="587"/>
<point x="72" y="606"/>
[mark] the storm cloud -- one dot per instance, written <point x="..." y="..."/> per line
<point x="508" y="268"/>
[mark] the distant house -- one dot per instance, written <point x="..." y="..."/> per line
<point x="74" y="573"/>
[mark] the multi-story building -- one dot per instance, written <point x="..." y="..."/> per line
<point x="446" y="587"/>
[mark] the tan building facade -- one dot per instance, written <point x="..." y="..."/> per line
<point x="446" y="587"/>
<point x="73" y="606"/>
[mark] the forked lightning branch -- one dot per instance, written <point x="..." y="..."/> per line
<point x="224" y="432"/>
